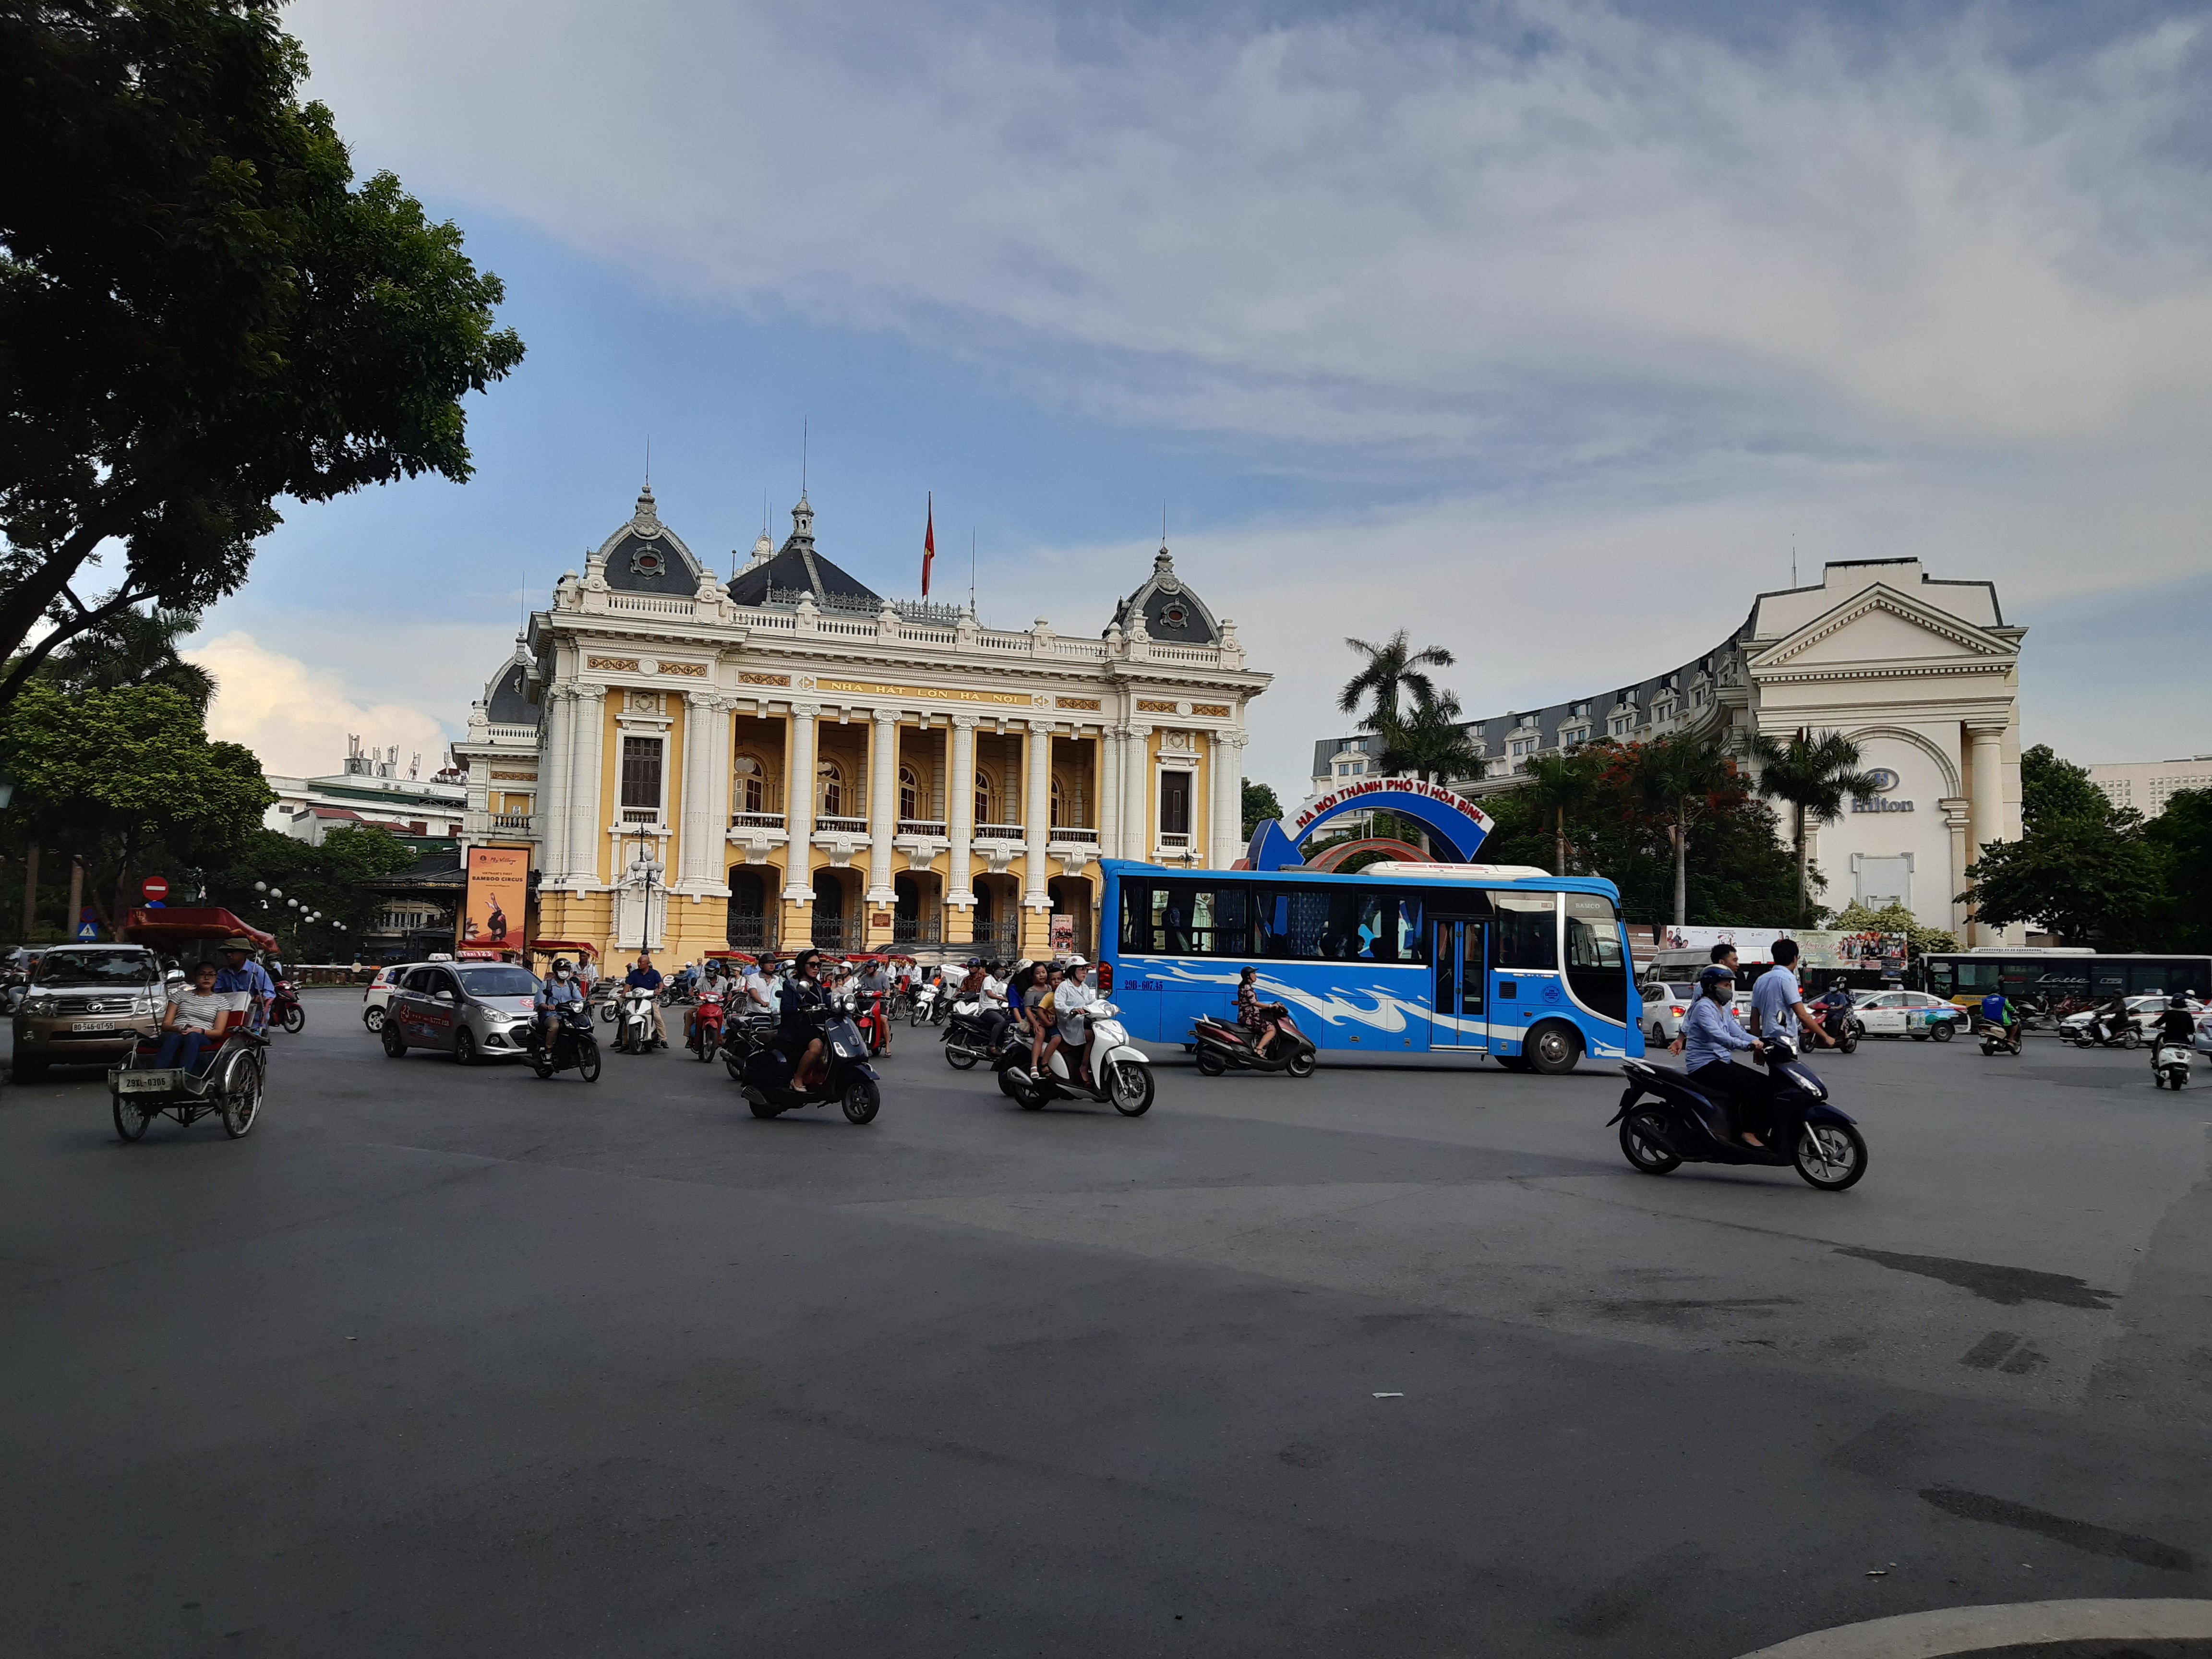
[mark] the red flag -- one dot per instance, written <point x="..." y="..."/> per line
<point x="928" y="544"/>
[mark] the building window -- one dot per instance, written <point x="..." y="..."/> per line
<point x="1521" y="746"/>
<point x="1623" y="725"/>
<point x="640" y="774"/>
<point x="1057" y="803"/>
<point x="909" y="792"/>
<point x="986" y="798"/>
<point x="753" y="784"/>
<point x="828" y="790"/>
<point x="1174" y="805"/>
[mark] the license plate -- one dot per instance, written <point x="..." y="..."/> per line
<point x="147" y="1083"/>
<point x="95" y="1024"/>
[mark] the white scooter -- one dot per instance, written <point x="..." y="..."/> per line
<point x="1121" y="1073"/>
<point x="634" y="1020"/>
<point x="2169" y="1064"/>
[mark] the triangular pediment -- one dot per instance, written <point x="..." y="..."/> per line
<point x="1878" y="625"/>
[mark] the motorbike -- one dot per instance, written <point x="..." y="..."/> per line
<point x="706" y="1039"/>
<point x="1995" y="1041"/>
<point x="2169" y="1064"/>
<point x="574" y="1046"/>
<point x="285" y="1010"/>
<point x="765" y="1071"/>
<point x="2096" y="1032"/>
<point x="874" y="1021"/>
<point x="1121" y="1075"/>
<point x="1667" y="1121"/>
<point x="634" y="1020"/>
<point x="1222" y="1044"/>
<point x="922" y="1007"/>
<point x="1842" y="1027"/>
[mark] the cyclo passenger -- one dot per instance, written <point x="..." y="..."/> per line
<point x="198" y="1016"/>
<point x="802" y="995"/>
<point x="558" y="991"/>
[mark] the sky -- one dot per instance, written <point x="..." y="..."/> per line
<point x="1551" y="332"/>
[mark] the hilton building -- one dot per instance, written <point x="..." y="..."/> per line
<point x="1921" y="672"/>
<point x="789" y="758"/>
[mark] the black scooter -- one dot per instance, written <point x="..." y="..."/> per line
<point x="765" y="1072"/>
<point x="574" y="1048"/>
<point x="1842" y="1027"/>
<point x="1221" y="1045"/>
<point x="1667" y="1121"/>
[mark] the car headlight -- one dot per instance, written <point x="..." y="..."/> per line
<point x="37" y="1006"/>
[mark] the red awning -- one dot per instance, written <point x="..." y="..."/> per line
<point x="547" y="947"/>
<point x="733" y="956"/>
<point x="185" y="926"/>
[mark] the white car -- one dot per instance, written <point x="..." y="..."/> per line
<point x="1915" y="1014"/>
<point x="1665" y="1002"/>
<point x="376" y="996"/>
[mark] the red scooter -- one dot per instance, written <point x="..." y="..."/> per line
<point x="875" y="1022"/>
<point x="284" y="1009"/>
<point x="705" y="1040"/>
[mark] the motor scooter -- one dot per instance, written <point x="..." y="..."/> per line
<point x="1122" y="1074"/>
<point x="1995" y="1041"/>
<point x="284" y="1009"/>
<point x="766" y="1071"/>
<point x="2169" y="1064"/>
<point x="1220" y="1045"/>
<point x="1842" y="1027"/>
<point x="874" y="1020"/>
<point x="634" y="1020"/>
<point x="706" y="1039"/>
<point x="966" y="1036"/>
<point x="1667" y="1121"/>
<point x="574" y="1046"/>
<point x="921" y="1005"/>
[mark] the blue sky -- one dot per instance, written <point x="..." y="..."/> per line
<point x="1542" y="330"/>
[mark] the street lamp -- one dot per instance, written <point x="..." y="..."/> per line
<point x="645" y="874"/>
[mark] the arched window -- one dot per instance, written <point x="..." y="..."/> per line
<point x="909" y="792"/>
<point x="828" y="791"/>
<point x="753" y="784"/>
<point x="986" y="797"/>
<point x="1056" y="820"/>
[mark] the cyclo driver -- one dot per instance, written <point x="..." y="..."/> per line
<point x="557" y="993"/>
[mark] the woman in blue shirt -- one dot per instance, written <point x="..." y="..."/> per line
<point x="1710" y="1037"/>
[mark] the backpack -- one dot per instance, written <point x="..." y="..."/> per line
<point x="1993" y="1008"/>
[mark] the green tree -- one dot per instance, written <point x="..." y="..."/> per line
<point x="1389" y="669"/>
<point x="1429" y="742"/>
<point x="1565" y="786"/>
<point x="132" y="647"/>
<point x="1680" y="783"/>
<point x="1858" y="918"/>
<point x="200" y="311"/>
<point x="128" y="780"/>
<point x="1812" y="775"/>
<point x="325" y="879"/>
<point x="1259" y="803"/>
<point x="2083" y="867"/>
<point x="2181" y="836"/>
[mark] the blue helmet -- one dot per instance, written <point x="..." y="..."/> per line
<point x="1719" y="974"/>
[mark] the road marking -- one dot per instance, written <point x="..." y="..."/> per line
<point x="2019" y="1624"/>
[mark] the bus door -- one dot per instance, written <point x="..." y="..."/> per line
<point x="1461" y="957"/>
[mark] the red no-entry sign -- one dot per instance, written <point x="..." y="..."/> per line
<point x="155" y="889"/>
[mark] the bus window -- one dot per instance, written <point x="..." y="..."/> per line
<point x="1597" y="969"/>
<point x="1526" y="930"/>
<point x="1397" y="934"/>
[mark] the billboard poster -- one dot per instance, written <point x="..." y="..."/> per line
<point x="1751" y="944"/>
<point x="498" y="897"/>
<point x="1867" y="951"/>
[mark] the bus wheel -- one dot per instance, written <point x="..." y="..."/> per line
<point x="1552" y="1049"/>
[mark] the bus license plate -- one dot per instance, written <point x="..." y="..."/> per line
<point x="147" y="1083"/>
<point x="95" y="1024"/>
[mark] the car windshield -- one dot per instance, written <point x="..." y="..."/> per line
<point x="501" y="981"/>
<point x="1681" y="992"/>
<point x="118" y="967"/>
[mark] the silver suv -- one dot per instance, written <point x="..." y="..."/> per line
<point x="471" y="1010"/>
<point x="86" y="1004"/>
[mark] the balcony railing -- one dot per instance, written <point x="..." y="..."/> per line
<point x="1075" y="832"/>
<point x="921" y="827"/>
<point x="756" y="934"/>
<point x="641" y="815"/>
<point x="756" y="820"/>
<point x="841" y="825"/>
<point x="518" y="823"/>
<point x="998" y="832"/>
<point x="1175" y="841"/>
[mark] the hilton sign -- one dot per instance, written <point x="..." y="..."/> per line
<point x="1879" y="801"/>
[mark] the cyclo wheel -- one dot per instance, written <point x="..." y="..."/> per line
<point x="129" y="1122"/>
<point x="241" y="1096"/>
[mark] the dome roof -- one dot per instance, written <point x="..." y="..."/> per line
<point x="796" y="568"/>
<point x="1169" y="610"/>
<point x="507" y="699"/>
<point x="646" y="556"/>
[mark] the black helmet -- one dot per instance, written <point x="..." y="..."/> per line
<point x="1718" y="974"/>
<point x="2179" y="1001"/>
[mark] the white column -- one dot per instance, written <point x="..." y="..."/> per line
<point x="587" y="828"/>
<point x="716" y="852"/>
<point x="1036" y="812"/>
<point x="689" y="813"/>
<point x="799" y="804"/>
<point x="1109" y="792"/>
<point x="882" y="806"/>
<point x="1137" y="834"/>
<point x="1953" y="809"/>
<point x="552" y="801"/>
<point x="1988" y="795"/>
<point x="960" y="811"/>
<point x="1220" y="763"/>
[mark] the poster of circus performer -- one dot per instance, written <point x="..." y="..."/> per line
<point x="499" y="894"/>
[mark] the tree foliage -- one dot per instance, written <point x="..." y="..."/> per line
<point x="2081" y="868"/>
<point x="1260" y="804"/>
<point x="1858" y="918"/>
<point x="1812" y="775"/>
<point x="200" y="311"/>
<point x="2181" y="836"/>
<point x="1427" y="743"/>
<point x="132" y="647"/>
<point x="322" y="878"/>
<point x="129" y="781"/>
<point x="1390" y="669"/>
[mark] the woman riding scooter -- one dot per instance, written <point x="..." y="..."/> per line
<point x="1262" y="1020"/>
<point x="803" y="994"/>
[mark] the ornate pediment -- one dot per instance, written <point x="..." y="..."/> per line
<point x="1880" y="625"/>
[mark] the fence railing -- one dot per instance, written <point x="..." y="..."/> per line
<point x="1076" y="833"/>
<point x="998" y="832"/>
<point x="756" y="820"/>
<point x="756" y="934"/>
<point x="837" y="933"/>
<point x="921" y="826"/>
<point x="517" y="822"/>
<point x="917" y="930"/>
<point x="841" y="825"/>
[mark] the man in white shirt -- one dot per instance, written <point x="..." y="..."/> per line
<point x="1776" y="998"/>
<point x="758" y="1000"/>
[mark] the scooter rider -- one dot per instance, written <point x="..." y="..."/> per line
<point x="1997" y="1010"/>
<point x="1709" y="1036"/>
<point x="2176" y="1024"/>
<point x="646" y="977"/>
<point x="1776" y="998"/>
<point x="1074" y="1033"/>
<point x="1251" y="1015"/>
<point x="560" y="991"/>
<point x="2109" y="1022"/>
<point x="803" y="994"/>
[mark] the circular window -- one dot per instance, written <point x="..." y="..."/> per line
<point x="648" y="561"/>
<point x="1174" y="616"/>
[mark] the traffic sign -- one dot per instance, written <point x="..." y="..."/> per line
<point x="88" y="930"/>
<point x="156" y="888"/>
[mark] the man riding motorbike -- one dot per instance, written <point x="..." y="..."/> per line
<point x="559" y="991"/>
<point x="1997" y="1010"/>
<point x="1709" y="1036"/>
<point x="646" y="977"/>
<point x="802" y="994"/>
<point x="1721" y="955"/>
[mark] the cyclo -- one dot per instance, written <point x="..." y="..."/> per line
<point x="233" y="1073"/>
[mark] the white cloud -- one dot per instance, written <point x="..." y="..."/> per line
<point x="297" y="718"/>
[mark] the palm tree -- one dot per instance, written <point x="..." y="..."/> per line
<point x="1391" y="667"/>
<point x="132" y="649"/>
<point x="1563" y="784"/>
<point x="1675" y="780"/>
<point x="1429" y="743"/>
<point x="1814" y="776"/>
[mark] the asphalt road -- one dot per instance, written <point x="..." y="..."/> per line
<point x="1395" y="1361"/>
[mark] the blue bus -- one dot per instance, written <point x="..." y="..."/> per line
<point x="1400" y="958"/>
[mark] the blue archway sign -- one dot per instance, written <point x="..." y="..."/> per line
<point x="1457" y="825"/>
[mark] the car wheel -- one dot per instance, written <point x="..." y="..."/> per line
<point x="395" y="1046"/>
<point x="464" y="1047"/>
<point x="1942" y="1032"/>
<point x="1552" y="1049"/>
<point x="27" y="1071"/>
<point x="1658" y="1034"/>
<point x="373" y="1018"/>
